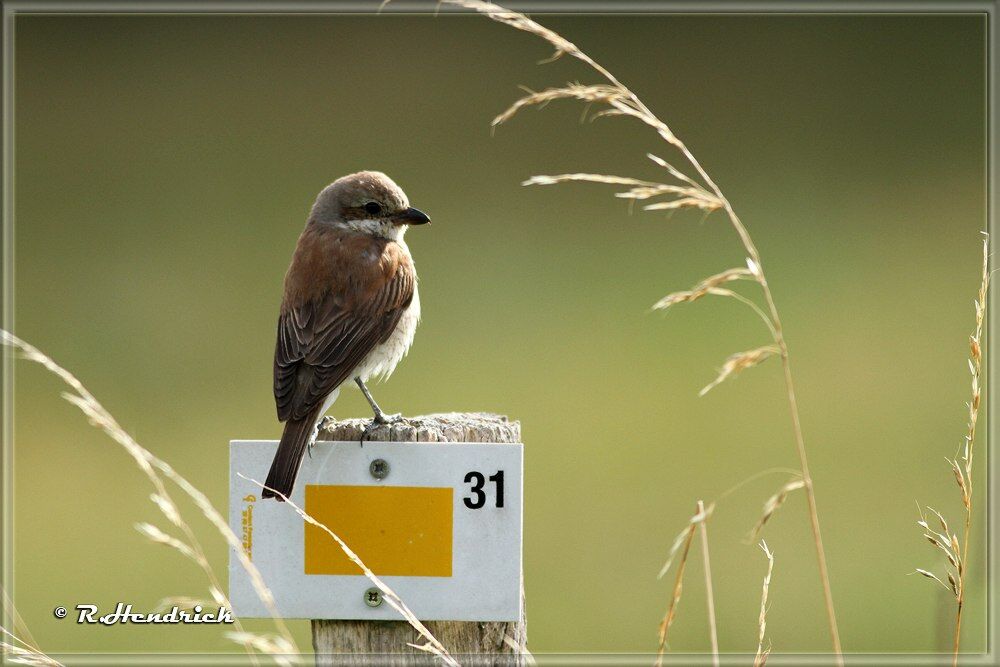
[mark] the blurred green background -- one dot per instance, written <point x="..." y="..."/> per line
<point x="165" y="166"/>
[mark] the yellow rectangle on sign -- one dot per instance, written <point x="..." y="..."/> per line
<point x="395" y="530"/>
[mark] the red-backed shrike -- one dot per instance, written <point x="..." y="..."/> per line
<point x="349" y="310"/>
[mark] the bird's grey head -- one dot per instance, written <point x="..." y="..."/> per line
<point x="368" y="202"/>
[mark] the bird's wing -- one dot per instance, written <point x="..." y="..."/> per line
<point x="322" y="340"/>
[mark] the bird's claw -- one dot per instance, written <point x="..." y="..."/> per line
<point x="380" y="419"/>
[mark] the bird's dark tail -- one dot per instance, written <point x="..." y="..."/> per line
<point x="285" y="467"/>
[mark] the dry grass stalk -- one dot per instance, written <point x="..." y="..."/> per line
<point x="761" y="658"/>
<point x="931" y="575"/>
<point x="682" y="546"/>
<point x="696" y="196"/>
<point x="675" y="595"/>
<point x="181" y="602"/>
<point x="729" y="275"/>
<point x="18" y="655"/>
<point x="17" y="644"/>
<point x="709" y="592"/>
<point x="432" y="645"/>
<point x="21" y="652"/>
<point x="572" y="91"/>
<point x="19" y="629"/>
<point x="701" y="515"/>
<point x="529" y="658"/>
<point x="158" y="472"/>
<point x="711" y="286"/>
<point x="739" y="362"/>
<point x="773" y="504"/>
<point x="619" y="100"/>
<point x="271" y="645"/>
<point x="945" y="541"/>
<point x="279" y="647"/>
<point x="965" y="481"/>
<point x="688" y="296"/>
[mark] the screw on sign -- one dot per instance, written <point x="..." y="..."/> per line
<point x="379" y="468"/>
<point x="373" y="597"/>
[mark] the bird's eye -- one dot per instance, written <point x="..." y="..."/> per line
<point x="372" y="208"/>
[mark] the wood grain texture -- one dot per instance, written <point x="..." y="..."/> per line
<point x="385" y="642"/>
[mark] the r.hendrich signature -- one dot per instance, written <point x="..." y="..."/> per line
<point x="88" y="613"/>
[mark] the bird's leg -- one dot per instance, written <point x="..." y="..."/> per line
<point x="380" y="417"/>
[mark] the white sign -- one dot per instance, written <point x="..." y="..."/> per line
<point x="440" y="523"/>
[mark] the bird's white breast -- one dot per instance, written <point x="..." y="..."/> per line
<point x="382" y="360"/>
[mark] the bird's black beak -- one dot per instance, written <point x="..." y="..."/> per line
<point x="411" y="216"/>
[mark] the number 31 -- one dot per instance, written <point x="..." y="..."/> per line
<point x="478" y="498"/>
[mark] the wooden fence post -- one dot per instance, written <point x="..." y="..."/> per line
<point x="481" y="643"/>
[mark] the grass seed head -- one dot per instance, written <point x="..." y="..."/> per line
<point x="739" y="362"/>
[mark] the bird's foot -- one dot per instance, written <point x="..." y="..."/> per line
<point x="380" y="419"/>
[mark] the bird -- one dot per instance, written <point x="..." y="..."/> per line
<point x="348" y="313"/>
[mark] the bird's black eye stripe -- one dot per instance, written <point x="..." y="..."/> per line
<point x="372" y="208"/>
